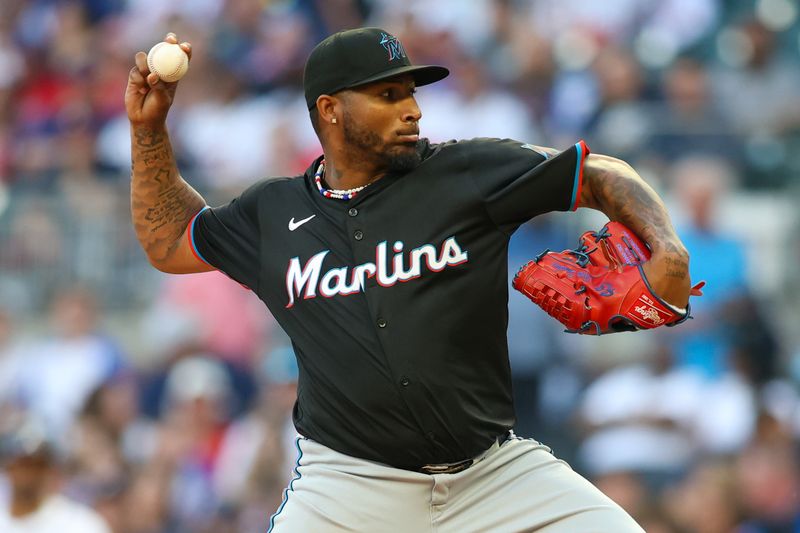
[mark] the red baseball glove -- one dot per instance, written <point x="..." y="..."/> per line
<point x="599" y="287"/>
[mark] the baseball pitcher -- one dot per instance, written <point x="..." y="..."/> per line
<point x="385" y="262"/>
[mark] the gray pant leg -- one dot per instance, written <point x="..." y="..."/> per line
<point x="332" y="492"/>
<point x="523" y="487"/>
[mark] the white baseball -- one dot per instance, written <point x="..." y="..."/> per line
<point x="168" y="61"/>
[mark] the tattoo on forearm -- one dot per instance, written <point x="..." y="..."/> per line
<point x="678" y="263"/>
<point x="624" y="197"/>
<point x="170" y="208"/>
<point x="154" y="156"/>
<point x="149" y="137"/>
<point x="676" y="268"/>
<point x="162" y="203"/>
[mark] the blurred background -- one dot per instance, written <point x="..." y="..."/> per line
<point x="163" y="402"/>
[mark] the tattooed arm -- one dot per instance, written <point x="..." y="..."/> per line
<point x="613" y="187"/>
<point x="162" y="203"/>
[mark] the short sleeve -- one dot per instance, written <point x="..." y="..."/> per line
<point x="517" y="182"/>
<point x="227" y="237"/>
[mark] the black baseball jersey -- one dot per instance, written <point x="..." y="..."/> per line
<point x="395" y="300"/>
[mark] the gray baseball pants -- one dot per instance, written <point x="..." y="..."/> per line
<point x="516" y="486"/>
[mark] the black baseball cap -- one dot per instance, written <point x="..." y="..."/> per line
<point x="356" y="57"/>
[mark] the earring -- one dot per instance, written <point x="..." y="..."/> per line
<point x="333" y="120"/>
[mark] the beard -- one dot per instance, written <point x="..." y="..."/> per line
<point x="398" y="158"/>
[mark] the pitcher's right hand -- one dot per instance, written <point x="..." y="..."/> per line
<point x="148" y="98"/>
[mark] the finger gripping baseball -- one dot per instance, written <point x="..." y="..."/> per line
<point x="599" y="287"/>
<point x="168" y="61"/>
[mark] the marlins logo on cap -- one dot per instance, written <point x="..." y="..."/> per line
<point x="393" y="46"/>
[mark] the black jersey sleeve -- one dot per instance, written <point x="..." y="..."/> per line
<point x="227" y="237"/>
<point x="518" y="182"/>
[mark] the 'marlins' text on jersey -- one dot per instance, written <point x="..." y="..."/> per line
<point x="308" y="280"/>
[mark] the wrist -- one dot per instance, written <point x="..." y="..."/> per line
<point x="669" y="279"/>
<point x="150" y="125"/>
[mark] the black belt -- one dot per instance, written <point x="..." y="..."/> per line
<point x="460" y="466"/>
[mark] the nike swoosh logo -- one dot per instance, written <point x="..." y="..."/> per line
<point x="294" y="225"/>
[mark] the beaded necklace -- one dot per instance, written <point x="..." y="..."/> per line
<point x="334" y="193"/>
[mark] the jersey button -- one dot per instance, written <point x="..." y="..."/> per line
<point x="358" y="235"/>
<point x="404" y="381"/>
<point x="352" y="211"/>
<point x="382" y="323"/>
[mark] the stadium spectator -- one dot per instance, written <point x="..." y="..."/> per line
<point x="689" y="121"/>
<point x="31" y="466"/>
<point x="639" y="418"/>
<point x="701" y="183"/>
<point x="60" y="371"/>
<point x="765" y="76"/>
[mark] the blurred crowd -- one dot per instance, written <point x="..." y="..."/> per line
<point x="135" y="402"/>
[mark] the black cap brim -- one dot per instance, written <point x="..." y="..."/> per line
<point x="422" y="74"/>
